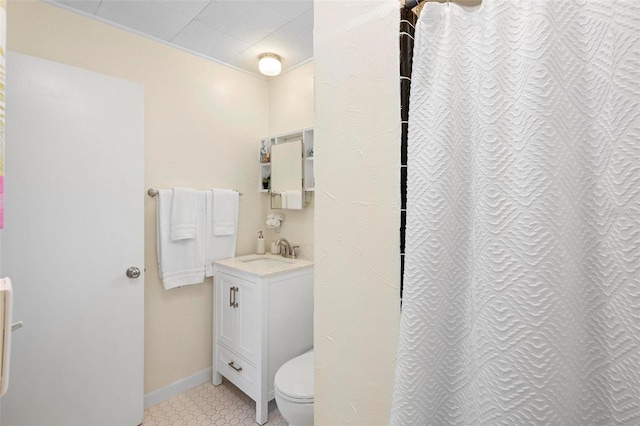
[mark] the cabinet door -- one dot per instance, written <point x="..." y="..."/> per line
<point x="226" y="316"/>
<point x="247" y="320"/>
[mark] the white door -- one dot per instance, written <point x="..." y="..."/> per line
<point x="73" y="225"/>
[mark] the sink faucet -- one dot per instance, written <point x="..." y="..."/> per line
<point x="285" y="248"/>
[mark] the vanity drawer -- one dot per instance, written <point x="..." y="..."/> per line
<point x="238" y="371"/>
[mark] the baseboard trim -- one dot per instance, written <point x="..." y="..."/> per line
<point x="176" y="388"/>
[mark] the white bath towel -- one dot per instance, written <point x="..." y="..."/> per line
<point x="183" y="214"/>
<point x="180" y="262"/>
<point x="283" y="199"/>
<point x="225" y="211"/>
<point x="294" y="199"/>
<point x="218" y="246"/>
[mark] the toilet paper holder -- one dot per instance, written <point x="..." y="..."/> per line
<point x="274" y="221"/>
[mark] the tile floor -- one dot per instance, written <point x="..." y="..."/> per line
<point x="209" y="405"/>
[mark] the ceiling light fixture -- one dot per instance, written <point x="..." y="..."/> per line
<point x="269" y="64"/>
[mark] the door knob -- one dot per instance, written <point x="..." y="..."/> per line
<point x="133" y="272"/>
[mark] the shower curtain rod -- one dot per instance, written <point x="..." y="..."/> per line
<point x="410" y="4"/>
<point x="153" y="192"/>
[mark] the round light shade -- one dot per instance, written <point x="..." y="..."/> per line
<point x="269" y="64"/>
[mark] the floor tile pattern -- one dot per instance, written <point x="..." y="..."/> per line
<point x="209" y="405"/>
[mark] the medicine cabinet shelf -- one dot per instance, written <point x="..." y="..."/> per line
<point x="264" y="157"/>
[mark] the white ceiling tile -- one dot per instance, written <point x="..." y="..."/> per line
<point x="201" y="38"/>
<point x="189" y="8"/>
<point x="146" y="16"/>
<point x="306" y="21"/>
<point x="292" y="42"/>
<point x="231" y="31"/>
<point x="86" y="6"/>
<point x="289" y="8"/>
<point x="246" y="21"/>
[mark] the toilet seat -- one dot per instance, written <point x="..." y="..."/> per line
<point x="296" y="400"/>
<point x="294" y="380"/>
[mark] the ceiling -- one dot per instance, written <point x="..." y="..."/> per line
<point x="233" y="32"/>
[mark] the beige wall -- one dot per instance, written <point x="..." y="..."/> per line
<point x="290" y="109"/>
<point x="357" y="211"/>
<point x="202" y="124"/>
<point x="291" y="100"/>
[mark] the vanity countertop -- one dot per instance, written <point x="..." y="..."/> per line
<point x="264" y="265"/>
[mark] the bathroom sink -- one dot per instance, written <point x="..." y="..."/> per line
<point x="265" y="265"/>
<point x="267" y="261"/>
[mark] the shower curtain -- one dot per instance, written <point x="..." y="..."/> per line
<point x="521" y="297"/>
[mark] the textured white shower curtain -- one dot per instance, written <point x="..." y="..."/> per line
<point x="522" y="277"/>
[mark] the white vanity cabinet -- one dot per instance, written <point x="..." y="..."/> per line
<point x="263" y="317"/>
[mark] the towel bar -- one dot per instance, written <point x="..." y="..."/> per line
<point x="153" y="192"/>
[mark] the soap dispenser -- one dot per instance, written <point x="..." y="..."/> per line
<point x="260" y="246"/>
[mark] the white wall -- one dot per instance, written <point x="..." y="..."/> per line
<point x="357" y="210"/>
<point x="202" y="124"/>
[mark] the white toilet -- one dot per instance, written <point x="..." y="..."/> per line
<point x="293" y="385"/>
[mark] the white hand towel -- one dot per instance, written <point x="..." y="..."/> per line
<point x="180" y="262"/>
<point x="294" y="199"/>
<point x="225" y="210"/>
<point x="283" y="200"/>
<point x="218" y="246"/>
<point x="183" y="214"/>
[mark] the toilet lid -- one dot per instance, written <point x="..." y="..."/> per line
<point x="294" y="380"/>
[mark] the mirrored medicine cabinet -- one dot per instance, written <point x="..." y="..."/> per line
<point x="286" y="169"/>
